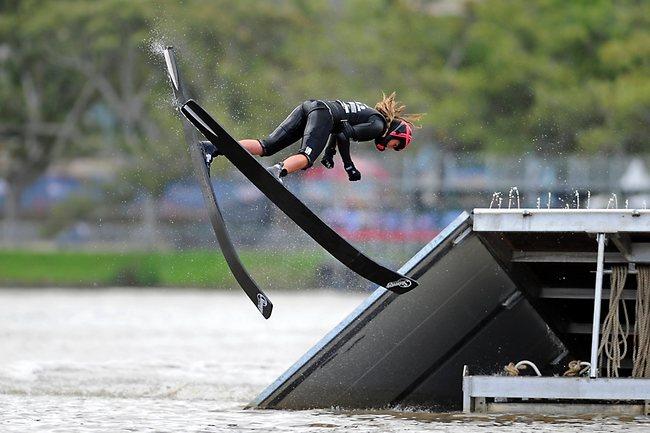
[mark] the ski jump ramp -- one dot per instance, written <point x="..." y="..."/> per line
<point x="496" y="286"/>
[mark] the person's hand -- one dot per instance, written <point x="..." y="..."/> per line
<point x="328" y="161"/>
<point x="353" y="173"/>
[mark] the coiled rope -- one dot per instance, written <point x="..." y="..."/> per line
<point x="641" y="355"/>
<point x="577" y="368"/>
<point x="614" y="336"/>
<point x="513" y="369"/>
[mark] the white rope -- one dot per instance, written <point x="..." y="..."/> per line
<point x="521" y="365"/>
<point x="513" y="369"/>
<point x="641" y="355"/>
<point x="614" y="338"/>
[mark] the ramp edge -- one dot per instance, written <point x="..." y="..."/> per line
<point x="285" y="377"/>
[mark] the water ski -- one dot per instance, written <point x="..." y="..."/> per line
<point x="202" y="174"/>
<point x="292" y="206"/>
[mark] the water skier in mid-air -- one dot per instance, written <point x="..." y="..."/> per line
<point x="326" y="125"/>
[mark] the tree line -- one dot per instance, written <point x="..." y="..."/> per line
<point x="82" y="77"/>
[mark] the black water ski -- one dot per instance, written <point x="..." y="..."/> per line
<point x="292" y="206"/>
<point x="202" y="173"/>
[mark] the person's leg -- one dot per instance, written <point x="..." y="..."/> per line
<point x="295" y="162"/>
<point x="287" y="133"/>
<point x="210" y="151"/>
<point x="253" y="146"/>
<point x="291" y="164"/>
<point x="315" y="138"/>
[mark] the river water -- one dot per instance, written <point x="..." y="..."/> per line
<point x="126" y="360"/>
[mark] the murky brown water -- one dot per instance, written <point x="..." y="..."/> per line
<point x="189" y="361"/>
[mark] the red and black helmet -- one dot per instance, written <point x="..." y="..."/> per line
<point x="398" y="129"/>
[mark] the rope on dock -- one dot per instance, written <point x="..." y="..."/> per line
<point x="614" y="336"/>
<point x="641" y="355"/>
<point x="577" y="368"/>
<point x="513" y="369"/>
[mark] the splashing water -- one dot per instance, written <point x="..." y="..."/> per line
<point x="157" y="47"/>
<point x="514" y="192"/>
<point x="573" y="201"/>
<point x="495" y="198"/>
<point x="613" y="200"/>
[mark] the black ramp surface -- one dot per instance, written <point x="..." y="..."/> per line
<point x="409" y="350"/>
<point x="202" y="175"/>
<point x="513" y="334"/>
<point x="293" y="207"/>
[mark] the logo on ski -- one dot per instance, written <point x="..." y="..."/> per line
<point x="404" y="283"/>
<point x="261" y="302"/>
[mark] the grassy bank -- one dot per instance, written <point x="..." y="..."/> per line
<point x="184" y="269"/>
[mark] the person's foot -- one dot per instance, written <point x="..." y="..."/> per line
<point x="210" y="152"/>
<point x="277" y="171"/>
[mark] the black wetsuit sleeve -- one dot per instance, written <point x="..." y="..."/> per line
<point x="344" y="149"/>
<point x="369" y="130"/>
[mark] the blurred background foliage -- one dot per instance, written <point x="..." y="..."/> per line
<point x="505" y="76"/>
<point x="83" y="78"/>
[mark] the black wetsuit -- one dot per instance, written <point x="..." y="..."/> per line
<point x="321" y="122"/>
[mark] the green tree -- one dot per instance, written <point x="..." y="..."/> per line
<point x="99" y="50"/>
<point x="41" y="109"/>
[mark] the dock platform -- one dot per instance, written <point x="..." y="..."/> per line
<point x="496" y="286"/>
